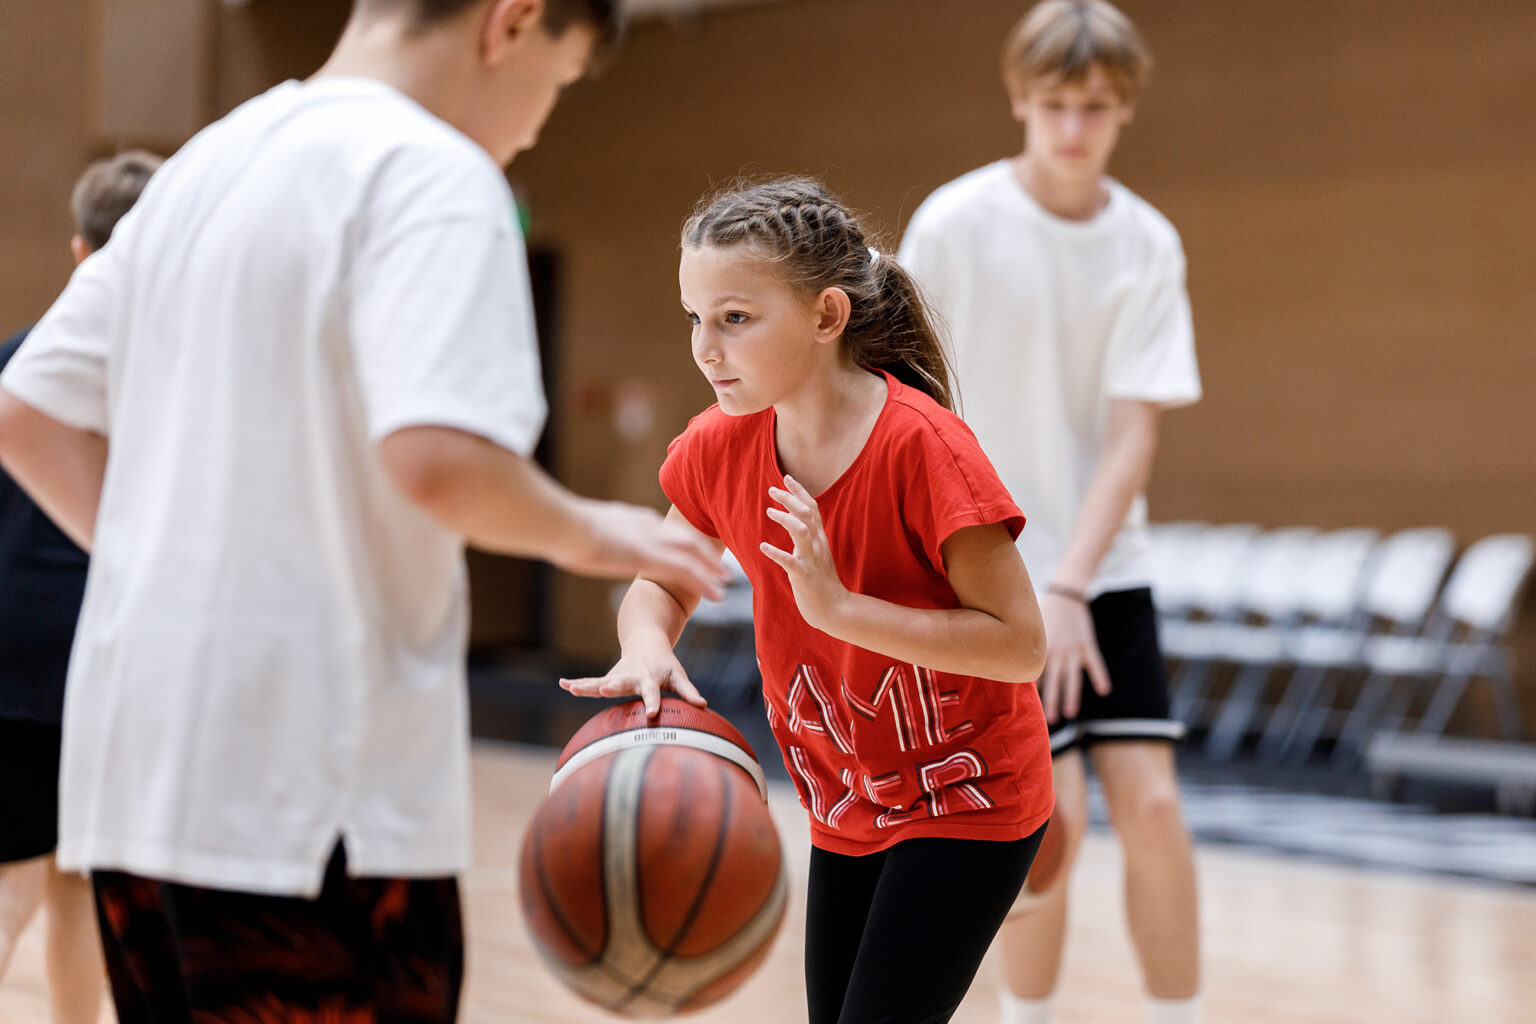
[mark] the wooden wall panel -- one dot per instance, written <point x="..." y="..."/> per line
<point x="154" y="76"/>
<point x="44" y="107"/>
<point x="1351" y="181"/>
<point x="267" y="41"/>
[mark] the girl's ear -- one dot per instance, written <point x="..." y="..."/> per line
<point x="832" y="310"/>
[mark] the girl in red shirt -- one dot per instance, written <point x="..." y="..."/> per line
<point x="897" y="630"/>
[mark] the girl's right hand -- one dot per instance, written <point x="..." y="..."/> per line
<point x="645" y="674"/>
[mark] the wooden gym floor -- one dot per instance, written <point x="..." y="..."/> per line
<point x="1286" y="942"/>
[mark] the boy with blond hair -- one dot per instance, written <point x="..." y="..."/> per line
<point x="274" y="408"/>
<point x="1071" y="327"/>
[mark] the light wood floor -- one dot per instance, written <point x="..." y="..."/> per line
<point x="1285" y="942"/>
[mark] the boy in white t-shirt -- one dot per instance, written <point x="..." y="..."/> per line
<point x="274" y="407"/>
<point x="1065" y="295"/>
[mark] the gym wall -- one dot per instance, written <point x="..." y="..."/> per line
<point x="1352" y="182"/>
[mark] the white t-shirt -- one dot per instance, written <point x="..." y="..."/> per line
<point x="1050" y="319"/>
<point x="270" y="654"/>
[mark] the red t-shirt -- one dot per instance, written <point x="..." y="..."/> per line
<point x="880" y="751"/>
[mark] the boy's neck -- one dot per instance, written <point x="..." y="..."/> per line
<point x="425" y="66"/>
<point x="1070" y="198"/>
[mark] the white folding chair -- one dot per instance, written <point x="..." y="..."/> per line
<point x="1197" y="582"/>
<point x="1402" y="579"/>
<point x="1170" y="547"/>
<point x="1463" y="641"/>
<point x="1264" y="601"/>
<point x="1397" y="581"/>
<point x="1305" y="578"/>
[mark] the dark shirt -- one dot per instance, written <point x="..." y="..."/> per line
<point x="42" y="580"/>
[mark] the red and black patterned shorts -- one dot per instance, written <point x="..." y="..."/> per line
<point x="365" y="951"/>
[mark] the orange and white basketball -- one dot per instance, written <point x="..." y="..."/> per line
<point x="652" y="878"/>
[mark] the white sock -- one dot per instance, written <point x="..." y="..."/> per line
<point x="1018" y="1010"/>
<point x="1174" y="1011"/>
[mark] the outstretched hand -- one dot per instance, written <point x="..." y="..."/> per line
<point x="647" y="676"/>
<point x="812" y="575"/>
<point x="630" y="540"/>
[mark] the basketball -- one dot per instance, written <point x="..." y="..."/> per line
<point x="652" y="879"/>
<point x="1049" y="860"/>
<point x="678" y="722"/>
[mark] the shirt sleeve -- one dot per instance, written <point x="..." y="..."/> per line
<point x="924" y="254"/>
<point x="682" y="479"/>
<point x="443" y="332"/>
<point x="957" y="488"/>
<point x="1153" y="358"/>
<point x="61" y="370"/>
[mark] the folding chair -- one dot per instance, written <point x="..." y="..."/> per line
<point x="1170" y="547"/>
<point x="1270" y="600"/>
<point x="1196" y="582"/>
<point x="1316" y="584"/>
<point x="1463" y="641"/>
<point x="1390" y="584"/>
<point x="1401" y="580"/>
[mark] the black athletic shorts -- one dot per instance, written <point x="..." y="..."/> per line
<point x="1137" y="706"/>
<point x="380" y="950"/>
<point x="29" y="789"/>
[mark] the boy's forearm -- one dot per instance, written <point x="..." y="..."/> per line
<point x="497" y="499"/>
<point x="59" y="466"/>
<point x="1123" y="471"/>
<point x="960" y="641"/>
<point x="515" y="508"/>
<point x="500" y="501"/>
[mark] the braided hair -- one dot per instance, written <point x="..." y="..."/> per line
<point x="815" y="242"/>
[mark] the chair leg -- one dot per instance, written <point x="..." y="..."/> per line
<point x="1309" y="729"/>
<point x="1189" y="686"/>
<point x="1510" y="725"/>
<point x="1394" y="715"/>
<point x="1361" y="720"/>
<point x="1237" y="712"/>
<point x="1295" y="704"/>
<point x="1443" y="704"/>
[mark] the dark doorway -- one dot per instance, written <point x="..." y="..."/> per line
<point x="510" y="597"/>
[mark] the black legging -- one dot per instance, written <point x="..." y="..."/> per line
<point x="895" y="937"/>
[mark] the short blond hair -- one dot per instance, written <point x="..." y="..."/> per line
<point x="1060" y="40"/>
<point x="107" y="190"/>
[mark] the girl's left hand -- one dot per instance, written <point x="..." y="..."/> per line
<point x="812" y="576"/>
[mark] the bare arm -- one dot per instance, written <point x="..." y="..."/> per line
<point x="505" y="503"/>
<point x="995" y="634"/>
<point x="60" y="466"/>
<point x="651" y="618"/>
<point x="1124" y="467"/>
